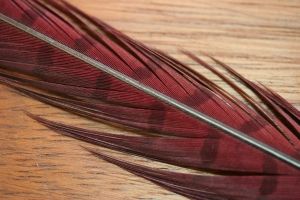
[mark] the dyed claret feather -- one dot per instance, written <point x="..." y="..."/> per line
<point x="53" y="52"/>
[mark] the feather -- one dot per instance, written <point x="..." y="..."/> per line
<point x="214" y="187"/>
<point x="56" y="73"/>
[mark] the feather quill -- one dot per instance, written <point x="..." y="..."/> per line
<point x="181" y="140"/>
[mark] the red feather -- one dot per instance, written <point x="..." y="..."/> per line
<point x="215" y="187"/>
<point x="76" y="86"/>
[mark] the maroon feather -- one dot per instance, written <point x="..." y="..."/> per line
<point x="215" y="187"/>
<point x="73" y="85"/>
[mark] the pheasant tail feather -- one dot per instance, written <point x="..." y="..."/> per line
<point x="59" y="64"/>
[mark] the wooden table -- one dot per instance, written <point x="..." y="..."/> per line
<point x="260" y="39"/>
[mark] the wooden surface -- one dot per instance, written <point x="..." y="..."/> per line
<point x="260" y="39"/>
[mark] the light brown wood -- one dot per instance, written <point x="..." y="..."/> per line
<point x="260" y="39"/>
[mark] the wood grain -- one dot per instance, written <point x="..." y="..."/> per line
<point x="260" y="39"/>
